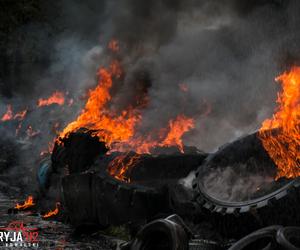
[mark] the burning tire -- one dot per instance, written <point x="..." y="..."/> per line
<point x="105" y="200"/>
<point x="239" y="179"/>
<point x="77" y="151"/>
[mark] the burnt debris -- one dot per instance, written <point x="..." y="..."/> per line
<point x="218" y="210"/>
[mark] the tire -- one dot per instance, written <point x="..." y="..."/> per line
<point x="237" y="218"/>
<point x="268" y="235"/>
<point x="77" y="151"/>
<point x="289" y="238"/>
<point x="103" y="200"/>
<point x="162" y="234"/>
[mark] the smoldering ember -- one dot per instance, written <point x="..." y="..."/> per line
<point x="159" y="124"/>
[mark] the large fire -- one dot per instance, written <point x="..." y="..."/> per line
<point x="119" y="129"/>
<point x="280" y="135"/>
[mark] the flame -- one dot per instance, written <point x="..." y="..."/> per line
<point x="178" y="127"/>
<point x="20" y="115"/>
<point x="8" y="115"/>
<point x="110" y="127"/>
<point x="121" y="165"/>
<point x="165" y="137"/>
<point x="119" y="129"/>
<point x="280" y="135"/>
<point x="56" y="98"/>
<point x="52" y="212"/>
<point x="27" y="203"/>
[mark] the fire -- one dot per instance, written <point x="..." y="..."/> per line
<point x="178" y="127"/>
<point x="280" y="135"/>
<point x="27" y="203"/>
<point x="121" y="165"/>
<point x="20" y="115"/>
<point x="52" y="212"/>
<point x="56" y="98"/>
<point x="119" y="129"/>
<point x="110" y="127"/>
<point x="8" y="115"/>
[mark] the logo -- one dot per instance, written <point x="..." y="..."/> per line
<point x="17" y="235"/>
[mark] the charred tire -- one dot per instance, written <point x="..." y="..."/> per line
<point x="214" y="205"/>
<point x="77" y="151"/>
<point x="289" y="238"/>
<point x="236" y="219"/>
<point x="240" y="151"/>
<point x="92" y="198"/>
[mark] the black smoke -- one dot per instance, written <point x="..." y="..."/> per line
<point x="226" y="52"/>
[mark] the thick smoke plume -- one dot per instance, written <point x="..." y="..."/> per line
<point x="225" y="54"/>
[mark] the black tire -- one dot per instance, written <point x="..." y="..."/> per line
<point x="236" y="219"/>
<point x="267" y="234"/>
<point x="162" y="234"/>
<point x="77" y="151"/>
<point x="103" y="200"/>
<point x="289" y="238"/>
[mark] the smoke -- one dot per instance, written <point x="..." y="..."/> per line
<point x="187" y="181"/>
<point x="227" y="54"/>
<point x="227" y="184"/>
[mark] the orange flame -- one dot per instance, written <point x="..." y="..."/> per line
<point x="178" y="127"/>
<point x="119" y="130"/>
<point x="283" y="145"/>
<point x="52" y="212"/>
<point x="27" y="203"/>
<point x="8" y="115"/>
<point x="20" y="115"/>
<point x="56" y="98"/>
<point x="121" y="165"/>
<point x="110" y="127"/>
